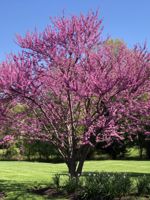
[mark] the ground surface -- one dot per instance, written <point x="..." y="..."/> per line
<point x="17" y="177"/>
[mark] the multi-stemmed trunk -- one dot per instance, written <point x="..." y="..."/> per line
<point x="76" y="162"/>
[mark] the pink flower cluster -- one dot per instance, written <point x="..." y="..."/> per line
<point x="8" y="139"/>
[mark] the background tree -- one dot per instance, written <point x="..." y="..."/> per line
<point x="77" y="91"/>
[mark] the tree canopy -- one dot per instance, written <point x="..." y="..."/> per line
<point x="77" y="91"/>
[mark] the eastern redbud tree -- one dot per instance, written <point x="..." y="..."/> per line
<point x="77" y="89"/>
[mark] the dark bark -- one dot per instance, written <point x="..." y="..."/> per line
<point x="71" y="164"/>
<point x="75" y="164"/>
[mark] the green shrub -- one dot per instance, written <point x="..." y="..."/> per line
<point x="92" y="188"/>
<point x="143" y="185"/>
<point x="121" y="184"/>
<point x="56" y="181"/>
<point x="72" y="185"/>
<point x="12" y="153"/>
<point x="105" y="186"/>
<point x="39" y="150"/>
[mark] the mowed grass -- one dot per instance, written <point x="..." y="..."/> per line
<point x="17" y="177"/>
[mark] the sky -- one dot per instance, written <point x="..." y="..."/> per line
<point x="128" y="20"/>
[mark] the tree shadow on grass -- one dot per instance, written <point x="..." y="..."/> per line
<point x="134" y="174"/>
<point x="17" y="191"/>
<point x="131" y="174"/>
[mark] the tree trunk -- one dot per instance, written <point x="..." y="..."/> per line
<point x="83" y="157"/>
<point x="74" y="165"/>
<point x="72" y="168"/>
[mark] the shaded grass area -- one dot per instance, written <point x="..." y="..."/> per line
<point x="16" y="178"/>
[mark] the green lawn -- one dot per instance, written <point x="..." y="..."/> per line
<point x="17" y="177"/>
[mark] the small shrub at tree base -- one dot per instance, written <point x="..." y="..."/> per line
<point x="92" y="189"/>
<point x="143" y="185"/>
<point x="121" y="184"/>
<point x="73" y="185"/>
<point x="105" y="186"/>
<point x="56" y="181"/>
